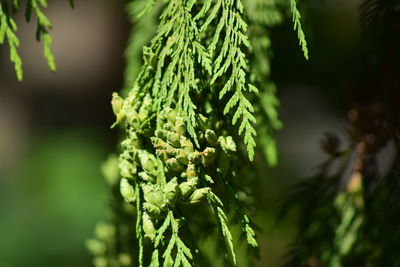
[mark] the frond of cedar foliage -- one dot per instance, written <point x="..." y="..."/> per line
<point x="8" y="29"/>
<point x="199" y="65"/>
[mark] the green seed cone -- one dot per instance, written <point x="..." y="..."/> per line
<point x="127" y="191"/>
<point x="173" y="139"/>
<point x="117" y="105"/>
<point x="152" y="210"/>
<point x="153" y="194"/>
<point x="148" y="226"/>
<point x="127" y="169"/>
<point x="147" y="161"/>
<point x="180" y="127"/>
<point x="208" y="156"/>
<point x="188" y="187"/>
<point x="182" y="156"/>
<point x="171" y="190"/>
<point x="186" y="145"/>
<point x="174" y="165"/>
<point x="211" y="137"/>
<point x="199" y="194"/>
<point x="227" y="143"/>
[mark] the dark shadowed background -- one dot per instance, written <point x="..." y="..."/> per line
<point x="55" y="127"/>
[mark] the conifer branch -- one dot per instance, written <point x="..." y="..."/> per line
<point x="43" y="26"/>
<point x="297" y="27"/>
<point x="183" y="255"/>
<point x="230" y="61"/>
<point x="244" y="220"/>
<point x="260" y="57"/>
<point x="176" y="46"/>
<point x="176" y="139"/>
<point x="139" y="227"/>
<point x="7" y="30"/>
<point x="216" y="206"/>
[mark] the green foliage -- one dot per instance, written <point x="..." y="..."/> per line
<point x="216" y="206"/>
<point x="8" y="29"/>
<point x="230" y="65"/>
<point x="267" y="108"/>
<point x="179" y="149"/>
<point x="43" y="26"/>
<point x="297" y="27"/>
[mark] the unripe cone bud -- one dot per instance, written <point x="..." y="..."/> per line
<point x="174" y="165"/>
<point x="148" y="226"/>
<point x="117" y="105"/>
<point x="186" y="145"/>
<point x="127" y="169"/>
<point x="180" y="127"/>
<point x="153" y="194"/>
<point x="173" y="139"/>
<point x="208" y="156"/>
<point x="211" y="137"/>
<point x="147" y="161"/>
<point x="188" y="187"/>
<point x="171" y="190"/>
<point x="199" y="194"/>
<point x="227" y="143"/>
<point x="181" y="156"/>
<point x="153" y="210"/>
<point x="127" y="191"/>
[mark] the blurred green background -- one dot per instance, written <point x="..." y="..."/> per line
<point x="55" y="128"/>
